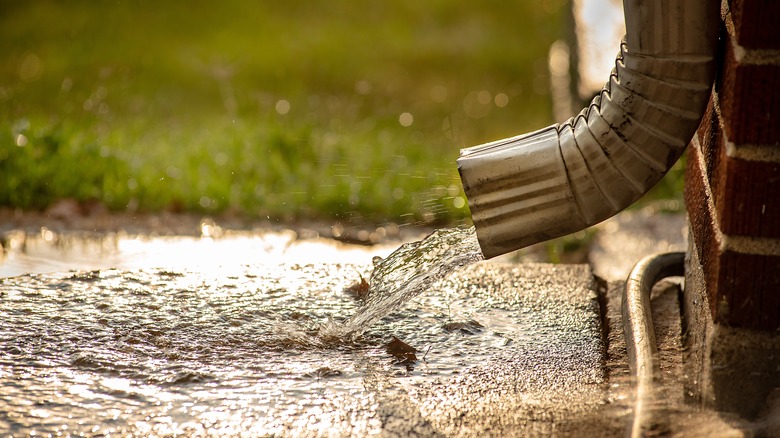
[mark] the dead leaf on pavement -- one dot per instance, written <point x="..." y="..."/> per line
<point x="359" y="289"/>
<point x="469" y="327"/>
<point x="401" y="351"/>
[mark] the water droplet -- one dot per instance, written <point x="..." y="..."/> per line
<point x="209" y="228"/>
<point x="283" y="107"/>
<point x="47" y="234"/>
<point x="501" y="100"/>
<point x="406" y="119"/>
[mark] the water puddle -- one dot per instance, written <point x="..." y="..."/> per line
<point x="283" y="348"/>
<point x="47" y="251"/>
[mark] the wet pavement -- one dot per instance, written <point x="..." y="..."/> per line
<point x="41" y="243"/>
<point x="216" y="333"/>
<point x="501" y="350"/>
<point x="45" y="251"/>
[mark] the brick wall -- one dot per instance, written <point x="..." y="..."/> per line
<point x="733" y="175"/>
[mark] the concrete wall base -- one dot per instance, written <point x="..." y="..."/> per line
<point x="730" y="370"/>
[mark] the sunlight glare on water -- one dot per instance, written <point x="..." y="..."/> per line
<point x="273" y="347"/>
<point x="25" y="253"/>
<point x="181" y="352"/>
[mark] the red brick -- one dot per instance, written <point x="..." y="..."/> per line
<point x="743" y="289"/>
<point x="756" y="23"/>
<point x="747" y="197"/>
<point x="752" y="284"/>
<point x="749" y="98"/>
<point x="711" y="140"/>
<point x="744" y="191"/>
<point x="702" y="228"/>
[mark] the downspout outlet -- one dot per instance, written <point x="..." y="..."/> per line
<point x="569" y="176"/>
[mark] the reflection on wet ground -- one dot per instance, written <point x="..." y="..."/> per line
<point x="48" y="251"/>
<point x="220" y="333"/>
<point x="235" y="350"/>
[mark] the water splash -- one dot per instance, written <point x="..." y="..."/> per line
<point x="406" y="273"/>
<point x="412" y="269"/>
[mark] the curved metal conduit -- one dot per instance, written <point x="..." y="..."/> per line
<point x="569" y="176"/>
<point x="639" y="332"/>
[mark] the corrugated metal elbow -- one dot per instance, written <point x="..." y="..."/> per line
<point x="569" y="176"/>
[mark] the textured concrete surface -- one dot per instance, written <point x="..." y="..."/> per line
<point x="552" y="385"/>
<point x="536" y="367"/>
<point x="546" y="361"/>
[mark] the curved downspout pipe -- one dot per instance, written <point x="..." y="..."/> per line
<point x="569" y="176"/>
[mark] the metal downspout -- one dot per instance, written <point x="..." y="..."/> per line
<point x="572" y="175"/>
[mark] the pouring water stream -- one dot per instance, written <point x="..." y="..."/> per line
<point x="412" y="269"/>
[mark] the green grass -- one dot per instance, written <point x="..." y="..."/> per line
<point x="287" y="110"/>
<point x="150" y="106"/>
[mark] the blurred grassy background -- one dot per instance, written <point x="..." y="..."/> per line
<point x="325" y="110"/>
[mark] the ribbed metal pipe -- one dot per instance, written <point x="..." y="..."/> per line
<point x="569" y="176"/>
